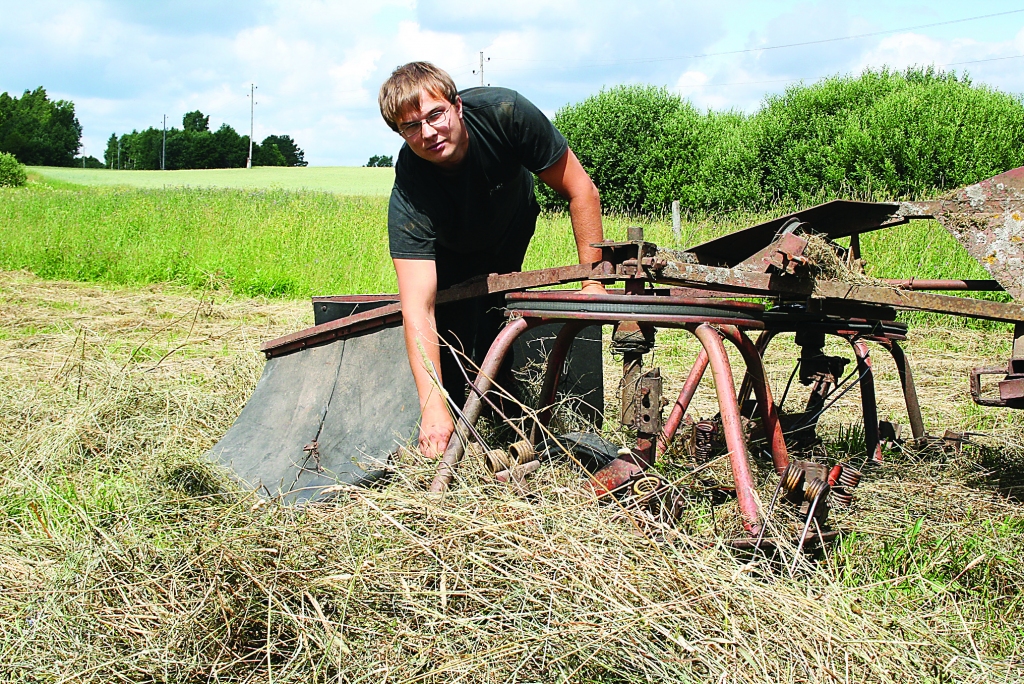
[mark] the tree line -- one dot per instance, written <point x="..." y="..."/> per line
<point x="882" y="134"/>
<point x="195" y="146"/>
<point x="39" y="131"/>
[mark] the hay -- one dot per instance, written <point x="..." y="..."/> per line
<point x="125" y="557"/>
<point x="826" y="264"/>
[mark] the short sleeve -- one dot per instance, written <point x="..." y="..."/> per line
<point x="540" y="143"/>
<point x="411" y="233"/>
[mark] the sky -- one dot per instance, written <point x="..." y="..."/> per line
<point x="318" y="65"/>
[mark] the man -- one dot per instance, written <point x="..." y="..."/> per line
<point x="463" y="205"/>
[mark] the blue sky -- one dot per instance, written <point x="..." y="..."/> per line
<point x="318" y="64"/>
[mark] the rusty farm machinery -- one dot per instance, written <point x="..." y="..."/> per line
<point x="337" y="400"/>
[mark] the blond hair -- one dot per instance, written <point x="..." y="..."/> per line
<point x="402" y="89"/>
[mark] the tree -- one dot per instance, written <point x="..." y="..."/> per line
<point x="89" y="162"/>
<point x="39" y="131"/>
<point x="231" y="149"/>
<point x="110" y="154"/>
<point x="293" y="154"/>
<point x="195" y="122"/>
<point x="380" y="160"/>
<point x="267" y="154"/>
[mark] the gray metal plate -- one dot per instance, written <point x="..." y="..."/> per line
<point x="355" y="397"/>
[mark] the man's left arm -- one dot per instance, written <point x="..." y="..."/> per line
<point x="569" y="179"/>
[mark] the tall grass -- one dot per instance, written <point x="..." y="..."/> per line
<point x="294" y="244"/>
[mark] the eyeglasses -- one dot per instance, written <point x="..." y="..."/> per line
<point x="434" y="119"/>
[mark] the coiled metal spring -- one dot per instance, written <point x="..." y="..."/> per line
<point x="849" y="478"/>
<point x="704" y="432"/>
<point x="792" y="478"/>
<point x="842" y="493"/>
<point x="522" y="452"/>
<point x="816" y="489"/>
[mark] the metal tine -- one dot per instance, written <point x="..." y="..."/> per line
<point x="822" y="491"/>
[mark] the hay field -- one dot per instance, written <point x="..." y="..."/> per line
<point x="124" y="556"/>
<point x="341" y="180"/>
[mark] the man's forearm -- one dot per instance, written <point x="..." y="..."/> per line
<point x="421" y="344"/>
<point x="585" y="214"/>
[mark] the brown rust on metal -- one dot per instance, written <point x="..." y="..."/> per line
<point x="920" y="301"/>
<point x="987" y="218"/>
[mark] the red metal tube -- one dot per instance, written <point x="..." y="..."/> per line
<point x="484" y="381"/>
<point x="733" y="428"/>
<point x="763" y="340"/>
<point x="556" y="363"/>
<point x="951" y="285"/>
<point x="765" y="401"/>
<point x="675" y="416"/>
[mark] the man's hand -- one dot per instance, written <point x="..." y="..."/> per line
<point x="436" y="428"/>
<point x="592" y="287"/>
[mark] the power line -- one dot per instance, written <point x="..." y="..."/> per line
<point x="645" y="60"/>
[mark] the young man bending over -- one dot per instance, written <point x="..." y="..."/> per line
<point x="462" y="206"/>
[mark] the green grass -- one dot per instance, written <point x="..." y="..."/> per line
<point x="289" y="243"/>
<point x="344" y="180"/>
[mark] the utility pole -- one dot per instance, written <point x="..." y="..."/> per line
<point x="481" y="70"/>
<point x="163" y="151"/>
<point x="252" y="112"/>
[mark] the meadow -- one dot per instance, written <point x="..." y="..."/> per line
<point x="346" y="180"/>
<point x="297" y="243"/>
<point x="130" y="320"/>
<point x="126" y="556"/>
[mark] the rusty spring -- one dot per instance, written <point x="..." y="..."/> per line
<point x="792" y="478"/>
<point x="816" y="488"/>
<point x="704" y="432"/>
<point x="842" y="493"/>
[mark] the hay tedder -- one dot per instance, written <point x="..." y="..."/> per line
<point x="337" y="400"/>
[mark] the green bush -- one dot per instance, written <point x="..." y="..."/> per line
<point x="880" y="134"/>
<point x="12" y="172"/>
<point x="618" y="136"/>
<point x="897" y="134"/>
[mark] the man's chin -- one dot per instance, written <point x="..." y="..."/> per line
<point x="437" y="153"/>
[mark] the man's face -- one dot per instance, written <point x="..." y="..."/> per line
<point x="443" y="142"/>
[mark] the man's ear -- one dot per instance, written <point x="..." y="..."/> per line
<point x="458" y="106"/>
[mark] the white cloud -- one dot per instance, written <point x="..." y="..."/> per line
<point x="319" y="63"/>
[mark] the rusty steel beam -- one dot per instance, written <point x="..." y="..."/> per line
<point x="392" y="313"/>
<point x="987" y="218"/>
<point x="920" y="301"/>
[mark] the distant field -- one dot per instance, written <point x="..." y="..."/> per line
<point x="342" y="180"/>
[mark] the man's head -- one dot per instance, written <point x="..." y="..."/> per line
<point x="420" y="103"/>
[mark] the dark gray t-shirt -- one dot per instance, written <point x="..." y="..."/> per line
<point x="488" y="202"/>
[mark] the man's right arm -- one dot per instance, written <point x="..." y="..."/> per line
<point x="417" y="291"/>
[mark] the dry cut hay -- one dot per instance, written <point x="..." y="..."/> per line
<point x="125" y="557"/>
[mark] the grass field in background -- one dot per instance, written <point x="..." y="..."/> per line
<point x="297" y="243"/>
<point x="344" y="180"/>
